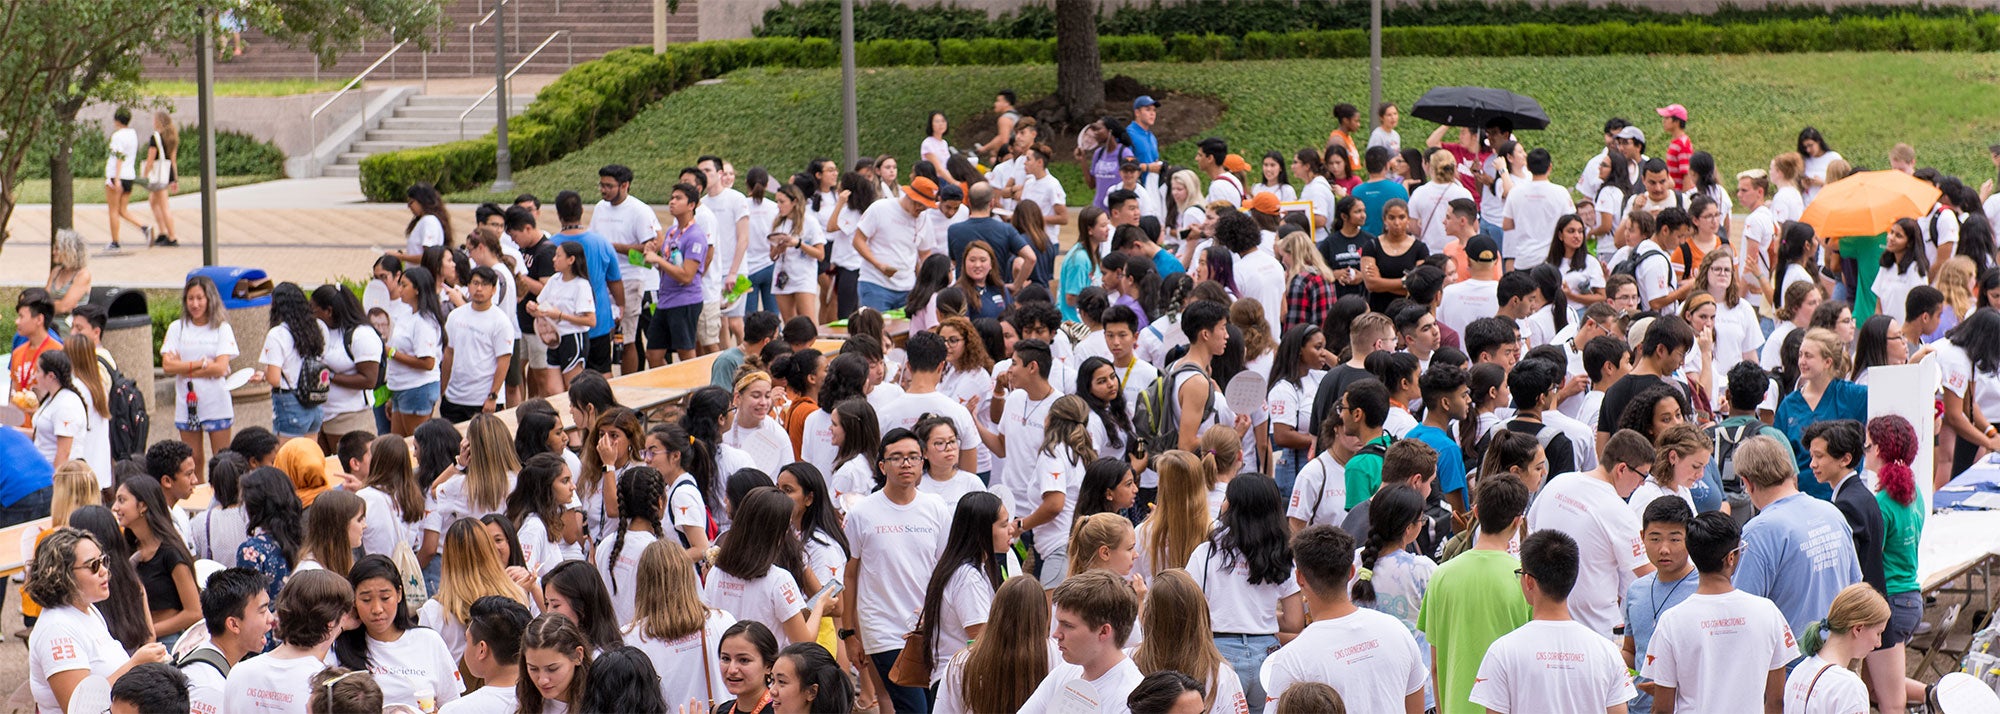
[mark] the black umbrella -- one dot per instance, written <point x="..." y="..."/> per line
<point x="1475" y="106"/>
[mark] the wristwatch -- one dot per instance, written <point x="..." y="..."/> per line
<point x="846" y="632"/>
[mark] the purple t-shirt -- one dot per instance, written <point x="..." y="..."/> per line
<point x="693" y="244"/>
<point x="1133" y="303"/>
<point x="1104" y="170"/>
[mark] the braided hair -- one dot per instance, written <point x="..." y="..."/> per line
<point x="639" y="499"/>
<point x="1390" y="514"/>
<point x="1896" y="445"/>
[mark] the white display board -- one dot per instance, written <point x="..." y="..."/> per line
<point x="1910" y="391"/>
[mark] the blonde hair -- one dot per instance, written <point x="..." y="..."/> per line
<point x="1831" y="350"/>
<point x="1069" y="426"/>
<point x="1443" y="167"/>
<point x="1186" y="179"/>
<point x="1682" y="440"/>
<point x="1220" y="447"/>
<point x="1097" y="530"/>
<point x="1954" y="279"/>
<point x="1838" y="169"/>
<point x="1178" y="634"/>
<point x="1857" y="605"/>
<point x="70" y="250"/>
<point x="1179" y="520"/>
<point x="1248" y="315"/>
<point x="472" y="570"/>
<point x="491" y="457"/>
<point x="1301" y="255"/>
<point x="75" y="487"/>
<point x="668" y="604"/>
<point x="87" y="372"/>
<point x="163" y="123"/>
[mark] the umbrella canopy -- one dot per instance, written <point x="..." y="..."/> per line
<point x="1864" y="204"/>
<point x="1475" y="106"/>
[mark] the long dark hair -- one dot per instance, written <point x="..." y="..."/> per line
<point x="862" y="434"/>
<point x="622" y="681"/>
<point x="343" y="310"/>
<point x="536" y="418"/>
<point x="1702" y="165"/>
<point x="579" y="583"/>
<point x="438" y="445"/>
<point x="1975" y="239"/>
<point x="1221" y="265"/>
<point x="696" y="459"/>
<point x="846" y="378"/>
<point x="1871" y="344"/>
<point x="270" y="503"/>
<point x="553" y="631"/>
<point x="640" y="491"/>
<point x="1558" y="253"/>
<point x="1621" y="172"/>
<point x="933" y="274"/>
<point x="1979" y="336"/>
<point x="427" y="299"/>
<point x="1548" y="279"/>
<point x="1117" y="423"/>
<point x="432" y="204"/>
<point x="56" y="365"/>
<point x="1253" y="529"/>
<point x="1390" y="512"/>
<point x="1792" y="244"/>
<point x="1099" y="476"/>
<point x="1287" y="366"/>
<point x="702" y="420"/>
<point x="760" y="536"/>
<point x="534" y="492"/>
<point x="515" y="559"/>
<point x="289" y="308"/>
<point x="819" y="517"/>
<point x="860" y="191"/>
<point x="351" y="647"/>
<point x="125" y="611"/>
<point x="147" y="491"/>
<point x="968" y="543"/>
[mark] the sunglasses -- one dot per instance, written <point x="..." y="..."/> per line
<point x="95" y="565"/>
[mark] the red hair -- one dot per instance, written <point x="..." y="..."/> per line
<point x="1896" y="444"/>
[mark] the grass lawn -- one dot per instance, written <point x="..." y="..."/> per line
<point x="242" y="87"/>
<point x="90" y="190"/>
<point x="1745" y="109"/>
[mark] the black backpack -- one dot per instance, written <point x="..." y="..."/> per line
<point x="1158" y="420"/>
<point x="129" y="420"/>
<point x="310" y="385"/>
<point x="204" y="655"/>
<point x="381" y="365"/>
<point x="1630" y="265"/>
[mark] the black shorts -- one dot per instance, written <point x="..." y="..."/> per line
<point x="673" y="328"/>
<point x="568" y="353"/>
<point x="125" y="185"/>
<point x="598" y="354"/>
<point x="458" y="413"/>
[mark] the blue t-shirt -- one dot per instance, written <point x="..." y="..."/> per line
<point x="1145" y="146"/>
<point x="1376" y="194"/>
<point x="1166" y="264"/>
<point x="602" y="263"/>
<point x="692" y="244"/>
<point x="1645" y="599"/>
<point x="28" y="471"/>
<point x="990" y="302"/>
<point x="1798" y="554"/>
<point x="1005" y="241"/>
<point x="1842" y="400"/>
<point x="1451" y="462"/>
<point x="1078" y="272"/>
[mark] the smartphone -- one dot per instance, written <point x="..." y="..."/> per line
<point x="830" y="590"/>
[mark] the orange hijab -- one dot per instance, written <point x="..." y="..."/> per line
<point x="302" y="460"/>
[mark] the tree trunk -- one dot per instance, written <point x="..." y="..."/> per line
<point x="1079" y="73"/>
<point x="62" y="187"/>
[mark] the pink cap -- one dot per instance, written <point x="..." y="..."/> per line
<point x="1674" y="110"/>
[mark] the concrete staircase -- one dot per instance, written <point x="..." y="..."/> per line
<point x="422" y="121"/>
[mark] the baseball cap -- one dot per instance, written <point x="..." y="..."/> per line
<point x="1674" y="110"/>
<point x="1144" y="101"/>
<point x="1481" y="249"/>
<point x="1633" y="133"/>
<point x="1128" y="165"/>
<point x="1266" y="203"/>
<point x="1235" y="162"/>
<point x="924" y="191"/>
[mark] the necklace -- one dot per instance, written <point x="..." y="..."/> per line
<point x="1658" y="602"/>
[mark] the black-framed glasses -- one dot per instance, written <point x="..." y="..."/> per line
<point x="902" y="458"/>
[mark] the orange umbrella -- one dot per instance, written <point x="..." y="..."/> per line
<point x="1864" y="204"/>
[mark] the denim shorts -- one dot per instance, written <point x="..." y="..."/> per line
<point x="1905" y="611"/>
<point x="420" y="399"/>
<point x="290" y="418"/>
<point x="1245" y="654"/>
<point x="207" y="425"/>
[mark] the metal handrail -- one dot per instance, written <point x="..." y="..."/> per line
<point x="471" y="58"/>
<point x="571" y="43"/>
<point x="314" y="118"/>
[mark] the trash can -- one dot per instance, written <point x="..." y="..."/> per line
<point x="128" y="334"/>
<point x="246" y="294"/>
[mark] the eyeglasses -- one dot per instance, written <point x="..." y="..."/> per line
<point x="941" y="443"/>
<point x="902" y="458"/>
<point x="648" y="453"/>
<point x="1518" y="572"/>
<point x="954" y="341"/>
<point x="95" y="565"/>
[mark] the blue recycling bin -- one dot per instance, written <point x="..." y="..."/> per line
<point x="240" y="287"/>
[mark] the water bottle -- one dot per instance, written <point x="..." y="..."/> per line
<point x="193" y="408"/>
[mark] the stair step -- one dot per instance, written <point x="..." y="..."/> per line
<point x="426" y="136"/>
<point x="342" y="171"/>
<point x="456" y="102"/>
<point x="400" y="123"/>
<point x="376" y="147"/>
<point x="451" y="113"/>
<point x="351" y="157"/>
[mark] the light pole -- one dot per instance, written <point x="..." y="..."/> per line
<point x="205" y="110"/>
<point x="503" y="176"/>
<point x="850" y="123"/>
<point x="1374" y="62"/>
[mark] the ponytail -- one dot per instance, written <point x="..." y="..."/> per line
<point x="638" y="492"/>
<point x="1390" y="512"/>
<point x="1814" y="637"/>
<point x="1896" y="445"/>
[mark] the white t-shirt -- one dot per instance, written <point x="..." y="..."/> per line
<point x="384" y="525"/>
<point x="728" y="206"/>
<point x="123" y="159"/>
<point x="897" y="546"/>
<point x="629" y="221"/>
<point x="934" y="149"/>
<point x="1429" y="205"/>
<point x="1703" y="646"/>
<point x="63" y="414"/>
<point x="1534" y="206"/>
<point x="851" y="482"/>
<point x="1468" y="300"/>
<point x="801" y="269"/>
<point x="1651" y="490"/>
<point x="572" y="297"/>
<point x="194" y="343"/>
<point x="968" y="596"/>
<point x="1067" y="692"/>
<point x="1235" y="605"/>
<point x="1260" y="277"/>
<point x="66" y="639"/>
<point x="1546" y="666"/>
<point x="281" y="351"/>
<point x="433" y="617"/>
<point x="541" y="550"/>
<point x="768" y="444"/>
<point x="843" y="240"/>
<point x="416" y="335"/>
<point x="269" y="685"/>
<point x="1838" y="691"/>
<point x="1788" y="203"/>
<point x="205" y="684"/>
<point x="1385" y="137"/>
<point x="1607" y="537"/>
<point x="1319" y="495"/>
<point x="404" y="667"/>
<point x="1320" y="194"/>
<point x="1023" y="422"/>
<point x="683" y="669"/>
<point x="960" y="484"/>
<point x="1655" y="276"/>
<point x="484" y="700"/>
<point x="892" y="239"/>
<point x="622" y="579"/>
<point x="686" y="507"/>
<point x="1367" y="656"/>
<point x="429" y="232"/>
<point x="1046" y="192"/>
<point x="1225" y="187"/>
<point x="903" y="413"/>
<point x="478" y="338"/>
<point x="1816" y="169"/>
<point x="771" y="599"/>
<point x="1059" y="472"/>
<point x="367" y="347"/>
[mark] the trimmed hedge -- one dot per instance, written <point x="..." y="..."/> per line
<point x="597" y="97"/>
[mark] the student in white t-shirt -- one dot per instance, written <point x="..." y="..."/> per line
<point x="926" y="353"/>
<point x="310" y="610"/>
<point x="554" y="658"/>
<point x="243" y="616"/>
<point x="958" y="596"/>
<point x="675" y="629"/>
<point x="1589" y="506"/>
<point x="479" y="343"/>
<point x="1552" y="663"/>
<point x="1022" y="400"/>
<point x="760" y="572"/>
<point x="71" y="641"/>
<point x="536" y="507"/>
<point x="1822" y="683"/>
<point x="1245" y="569"/>
<point x="1529" y="216"/>
<point x="196" y="352"/>
<point x="411" y="663"/>
<point x="416" y="343"/>
<point x="1181" y="639"/>
<point x="753" y="428"/>
<point x="295" y="334"/>
<point x="493" y="654"/>
<point x="942" y="476"/>
<point x="1366" y="655"/>
<point x="1706" y="650"/>
<point x="894" y="535"/>
<point x="1095" y="611"/>
<point x="121" y="164"/>
<point x="1057" y="476"/>
<point x="642" y="505"/>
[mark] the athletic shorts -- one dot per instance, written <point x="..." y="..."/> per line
<point x="674" y="328"/>
<point x="533" y="352"/>
<point x="569" y="351"/>
<point x="708" y="331"/>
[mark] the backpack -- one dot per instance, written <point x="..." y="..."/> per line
<point x="710" y="528"/>
<point x="129" y="421"/>
<point x="1630" y="265"/>
<point x="310" y="385"/>
<point x="204" y="655"/>
<point x="1726" y="439"/>
<point x="1158" y="421"/>
<point x="381" y="366"/>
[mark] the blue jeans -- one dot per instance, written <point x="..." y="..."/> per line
<point x="1246" y="655"/>
<point x="30" y="507"/>
<point x="1286" y="471"/>
<point x="761" y="299"/>
<point x="881" y="298"/>
<point x="289" y="418"/>
<point x="908" y="700"/>
<point x="1492" y="230"/>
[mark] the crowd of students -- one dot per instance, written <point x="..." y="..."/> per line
<point x="1519" y="451"/>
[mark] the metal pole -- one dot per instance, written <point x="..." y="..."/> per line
<point x="503" y="179"/>
<point x="1374" y="61"/>
<point x="659" y="26"/>
<point x="205" y="111"/>
<point x="849" y="119"/>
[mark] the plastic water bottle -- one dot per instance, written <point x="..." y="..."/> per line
<point x="193" y="408"/>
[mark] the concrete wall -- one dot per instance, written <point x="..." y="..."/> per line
<point x="736" y="18"/>
<point x="284" y="121"/>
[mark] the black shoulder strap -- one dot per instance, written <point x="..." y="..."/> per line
<point x="205" y="656"/>
<point x="1814" y="683"/>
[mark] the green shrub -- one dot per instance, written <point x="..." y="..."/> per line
<point x="895" y="53"/>
<point x="163" y="313"/>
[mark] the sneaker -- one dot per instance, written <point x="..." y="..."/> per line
<point x="114" y="247"/>
<point x="147" y="232"/>
<point x="165" y="240"/>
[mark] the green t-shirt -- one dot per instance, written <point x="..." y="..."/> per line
<point x="1364" y="473"/>
<point x="1902" y="526"/>
<point x="1472" y="600"/>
